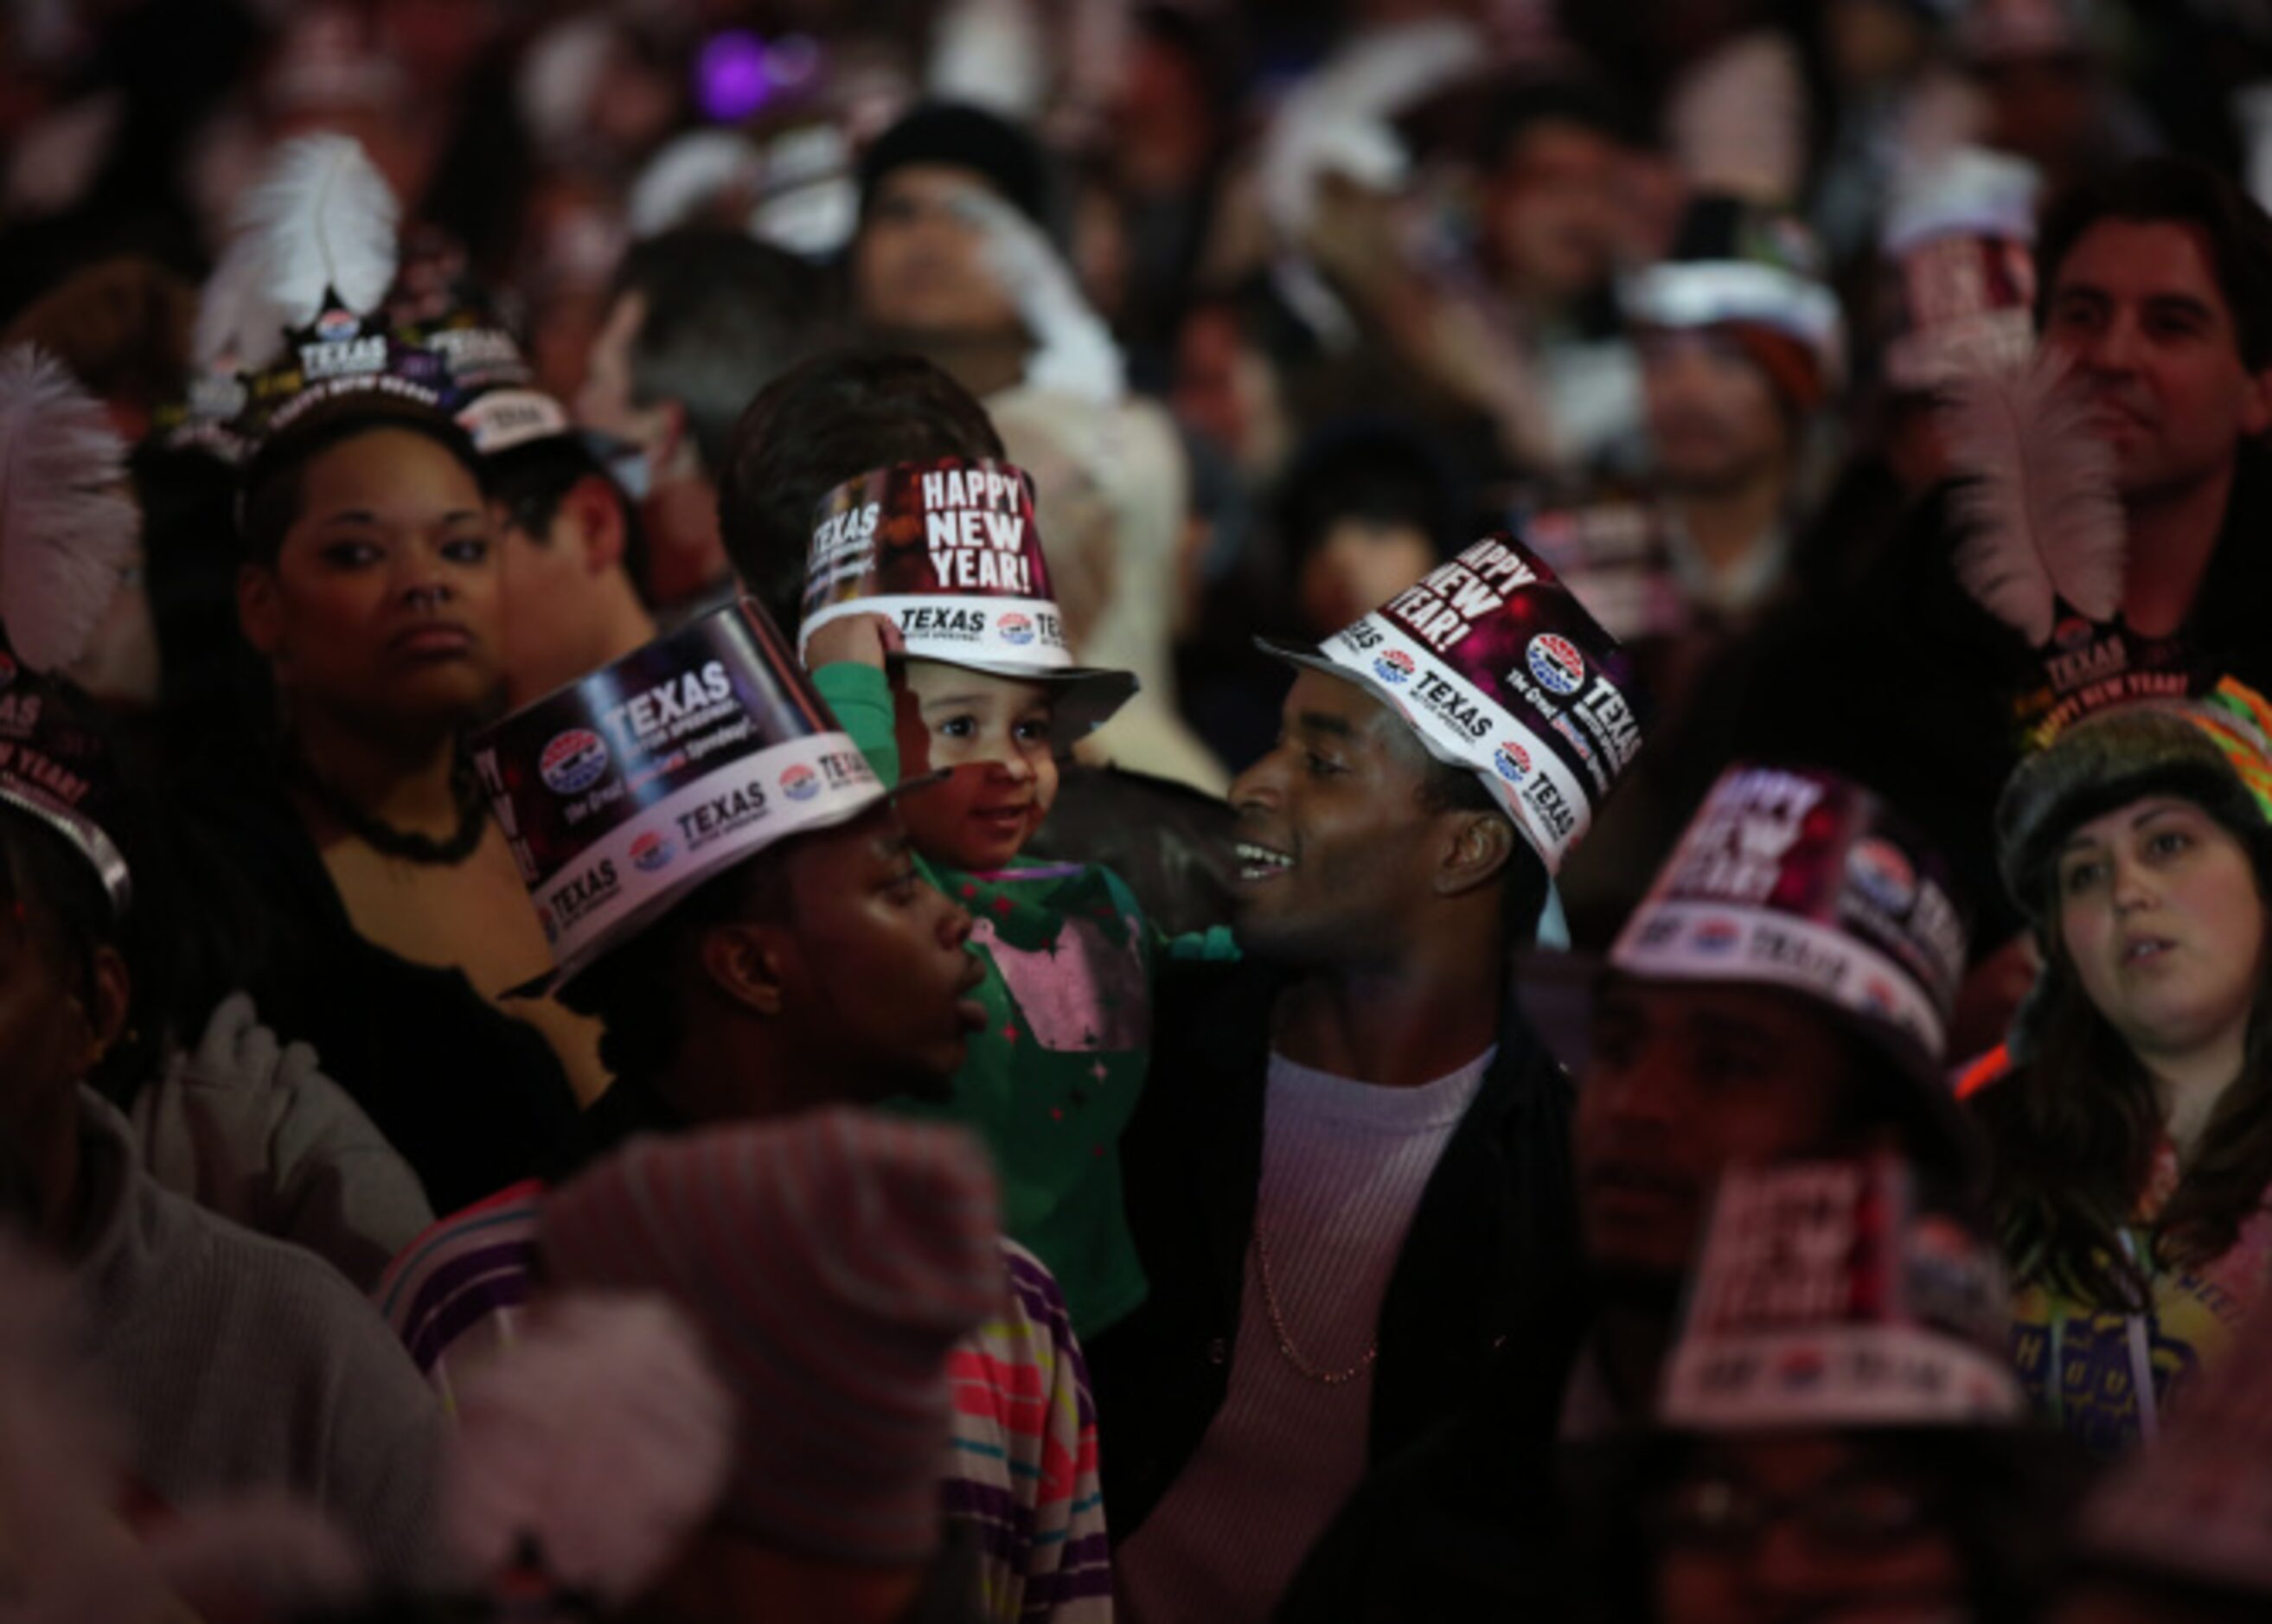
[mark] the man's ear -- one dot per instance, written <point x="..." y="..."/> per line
<point x="597" y="514"/>
<point x="745" y="962"/>
<point x="109" y="996"/>
<point x="259" y="610"/>
<point x="1479" y="845"/>
<point x="2256" y="406"/>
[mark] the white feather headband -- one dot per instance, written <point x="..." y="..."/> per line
<point x="323" y="219"/>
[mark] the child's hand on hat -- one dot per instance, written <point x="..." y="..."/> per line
<point x="854" y="640"/>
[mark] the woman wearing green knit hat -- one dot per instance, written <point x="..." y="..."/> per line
<point x="2133" y="1140"/>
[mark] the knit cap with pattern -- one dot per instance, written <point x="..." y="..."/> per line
<point x="831" y="1261"/>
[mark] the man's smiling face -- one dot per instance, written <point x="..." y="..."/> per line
<point x="1337" y="851"/>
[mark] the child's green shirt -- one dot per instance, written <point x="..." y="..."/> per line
<point x="1052" y="1080"/>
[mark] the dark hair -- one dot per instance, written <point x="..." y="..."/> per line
<point x="831" y="418"/>
<point x="531" y="481"/>
<point x="1523" y="881"/>
<point x="276" y="481"/>
<point x="41" y="871"/>
<point x="191" y="555"/>
<point x="1524" y="104"/>
<point x="1373" y="469"/>
<point x="122" y="326"/>
<point x="967" y="137"/>
<point x="1886" y="1094"/>
<point x="2179" y="191"/>
<point x="2146" y="1589"/>
<point x="639" y="992"/>
<point x="2072" y="1135"/>
<point x="725" y="315"/>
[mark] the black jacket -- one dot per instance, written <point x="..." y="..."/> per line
<point x="1489" y="1266"/>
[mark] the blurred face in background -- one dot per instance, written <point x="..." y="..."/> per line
<point x="1359" y="564"/>
<point x="1870" y="42"/>
<point x="918" y="264"/>
<point x="572" y="235"/>
<point x="1226" y="390"/>
<point x="1714" y="421"/>
<point x="561" y="576"/>
<point x="1684" y="1080"/>
<point x="1553" y="210"/>
<point x="2049" y="109"/>
<point x="1164" y="125"/>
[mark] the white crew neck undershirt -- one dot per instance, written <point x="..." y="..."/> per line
<point x="1343" y="1166"/>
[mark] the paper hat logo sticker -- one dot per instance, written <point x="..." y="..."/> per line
<point x="948" y="550"/>
<point x="573" y="761"/>
<point x="625" y="790"/>
<point x="1880" y="871"/>
<point x="1500" y="669"/>
<point x="1554" y="662"/>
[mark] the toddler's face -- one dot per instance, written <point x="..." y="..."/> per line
<point x="995" y="732"/>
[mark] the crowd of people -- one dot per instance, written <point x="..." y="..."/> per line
<point x="949" y="810"/>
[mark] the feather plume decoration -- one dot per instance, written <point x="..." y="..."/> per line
<point x="67" y="527"/>
<point x="239" y="328"/>
<point x="325" y="221"/>
<point x="2043" y="523"/>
